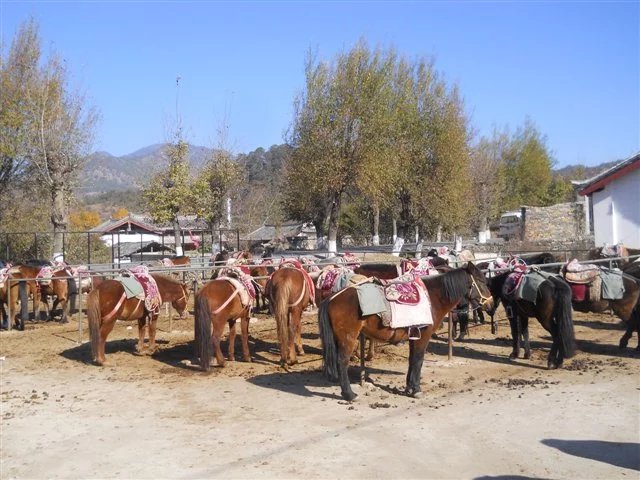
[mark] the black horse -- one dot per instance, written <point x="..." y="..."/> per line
<point x="552" y="308"/>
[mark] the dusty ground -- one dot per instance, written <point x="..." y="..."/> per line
<point x="158" y="417"/>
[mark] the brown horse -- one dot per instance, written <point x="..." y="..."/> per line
<point x="260" y="274"/>
<point x="216" y="304"/>
<point x="22" y="285"/>
<point x="613" y="251"/>
<point x="626" y="308"/>
<point x="60" y="287"/>
<point x="289" y="295"/>
<point x="107" y="303"/>
<point x="341" y="322"/>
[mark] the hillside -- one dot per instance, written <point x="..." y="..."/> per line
<point x="105" y="172"/>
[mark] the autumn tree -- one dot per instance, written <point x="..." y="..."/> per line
<point x="334" y="131"/>
<point x="50" y="125"/>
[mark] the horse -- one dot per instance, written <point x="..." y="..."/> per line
<point x="61" y="287"/>
<point x="260" y="274"/>
<point x="612" y="251"/>
<point x="23" y="284"/>
<point x="552" y="308"/>
<point x="341" y="322"/>
<point x="626" y="308"/>
<point x="108" y="302"/>
<point x="217" y="304"/>
<point x="289" y="294"/>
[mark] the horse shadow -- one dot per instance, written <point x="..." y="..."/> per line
<point x="508" y="477"/>
<point x="82" y="353"/>
<point x="619" y="454"/>
<point x="605" y="349"/>
<point x="599" y="324"/>
<point x="465" y="351"/>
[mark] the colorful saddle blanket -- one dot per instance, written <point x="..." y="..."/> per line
<point x="151" y="293"/>
<point x="399" y="304"/>
<point x="601" y="282"/>
<point x="334" y="278"/>
<point x="418" y="268"/>
<point x="4" y="274"/>
<point x="524" y="286"/>
<point x="240" y="279"/>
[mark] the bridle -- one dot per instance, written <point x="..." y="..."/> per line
<point x="474" y="284"/>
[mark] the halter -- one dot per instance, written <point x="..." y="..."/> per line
<point x="484" y="299"/>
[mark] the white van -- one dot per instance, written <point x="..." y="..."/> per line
<point x="510" y="225"/>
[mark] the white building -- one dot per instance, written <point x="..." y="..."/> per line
<point x="612" y="199"/>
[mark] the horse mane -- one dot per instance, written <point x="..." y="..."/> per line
<point x="455" y="283"/>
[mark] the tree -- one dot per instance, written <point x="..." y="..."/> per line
<point x="333" y="134"/>
<point x="528" y="168"/>
<point x="215" y="184"/>
<point x="488" y="185"/>
<point x="169" y="192"/>
<point x="49" y="125"/>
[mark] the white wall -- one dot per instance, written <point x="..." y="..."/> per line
<point x="616" y="212"/>
<point x="133" y="237"/>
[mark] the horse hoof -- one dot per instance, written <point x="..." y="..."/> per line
<point x="417" y="395"/>
<point x="349" y="396"/>
<point x="527" y="356"/>
<point x="513" y="356"/>
<point x="246" y="359"/>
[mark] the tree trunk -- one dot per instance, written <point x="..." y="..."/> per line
<point x="395" y="229"/>
<point x="439" y="234"/>
<point x="59" y="219"/>
<point x="176" y="237"/>
<point x="333" y="225"/>
<point x="375" y="240"/>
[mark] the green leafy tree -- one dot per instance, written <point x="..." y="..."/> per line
<point x="169" y="192"/>
<point x="528" y="168"/>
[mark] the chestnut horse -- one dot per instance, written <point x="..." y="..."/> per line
<point x="260" y="274"/>
<point x="216" y="304"/>
<point x="341" y="322"/>
<point x="552" y="308"/>
<point x="61" y="287"/>
<point x="23" y="285"/>
<point x="107" y="303"/>
<point x="289" y="295"/>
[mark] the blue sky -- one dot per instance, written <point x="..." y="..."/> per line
<point x="572" y="67"/>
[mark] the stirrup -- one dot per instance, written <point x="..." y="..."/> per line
<point x="412" y="333"/>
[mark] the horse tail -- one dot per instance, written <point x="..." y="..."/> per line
<point x="563" y="316"/>
<point x="329" y="346"/>
<point x="95" y="316"/>
<point x="202" y="331"/>
<point x="282" y="292"/>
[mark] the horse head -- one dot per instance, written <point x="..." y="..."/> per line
<point x="182" y="300"/>
<point x="479" y="293"/>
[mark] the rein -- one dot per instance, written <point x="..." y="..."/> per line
<point x="484" y="299"/>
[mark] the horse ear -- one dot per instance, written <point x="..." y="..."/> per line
<point x="470" y="266"/>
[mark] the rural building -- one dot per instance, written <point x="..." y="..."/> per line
<point x="289" y="235"/>
<point x="138" y="229"/>
<point x="612" y="201"/>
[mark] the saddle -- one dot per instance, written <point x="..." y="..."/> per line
<point x="398" y="304"/>
<point x="240" y="278"/>
<point x="151" y="294"/>
<point x="584" y="280"/>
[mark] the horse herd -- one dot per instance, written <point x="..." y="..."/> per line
<point x="288" y="287"/>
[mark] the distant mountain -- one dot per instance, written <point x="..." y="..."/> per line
<point x="104" y="172"/>
<point x="581" y="172"/>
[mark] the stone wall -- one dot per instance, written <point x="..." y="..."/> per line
<point x="560" y="222"/>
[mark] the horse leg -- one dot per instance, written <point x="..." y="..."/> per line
<point x="216" y="336"/>
<point x="416" y="358"/>
<point x="232" y="340"/>
<point x="524" y="328"/>
<point x="153" y="321"/>
<point x="296" y="321"/>
<point x="244" y="330"/>
<point x="372" y="350"/>
<point x="514" y="323"/>
<point x="142" y="324"/>
<point x="65" y="310"/>
<point x="105" y="329"/>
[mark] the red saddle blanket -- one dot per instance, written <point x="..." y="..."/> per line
<point x="152" y="298"/>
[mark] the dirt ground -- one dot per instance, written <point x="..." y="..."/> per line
<point x="153" y="417"/>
